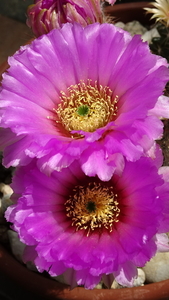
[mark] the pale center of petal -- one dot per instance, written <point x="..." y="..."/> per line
<point x="94" y="206"/>
<point x="86" y="107"/>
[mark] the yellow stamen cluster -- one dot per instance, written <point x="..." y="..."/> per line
<point x="94" y="206"/>
<point x="86" y="107"/>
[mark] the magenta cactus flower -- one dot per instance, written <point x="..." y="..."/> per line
<point x="89" y="229"/>
<point x="92" y="94"/>
<point x="46" y="15"/>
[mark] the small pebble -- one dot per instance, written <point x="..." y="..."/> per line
<point x="149" y="34"/>
<point x="139" y="281"/>
<point x="120" y="25"/>
<point x="157" y="269"/>
<point x="135" y="27"/>
<point x="6" y="190"/>
<point x="5" y="201"/>
<point x="116" y="285"/>
<point x="99" y="286"/>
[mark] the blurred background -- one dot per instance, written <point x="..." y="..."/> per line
<point x="13" y="29"/>
<point x="16" y="9"/>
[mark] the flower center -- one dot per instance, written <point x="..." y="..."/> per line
<point x="94" y="206"/>
<point x="86" y="107"/>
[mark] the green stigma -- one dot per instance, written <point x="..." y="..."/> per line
<point x="91" y="206"/>
<point x="83" y="110"/>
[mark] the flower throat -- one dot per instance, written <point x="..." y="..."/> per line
<point x="93" y="206"/>
<point x="86" y="107"/>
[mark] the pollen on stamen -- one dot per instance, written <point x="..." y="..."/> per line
<point x="86" y="106"/>
<point x="92" y="207"/>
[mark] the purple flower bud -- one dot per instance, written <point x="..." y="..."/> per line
<point x="45" y="15"/>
